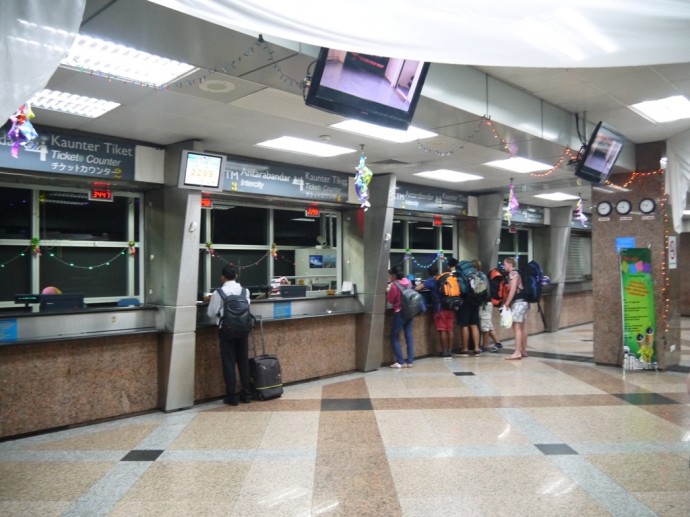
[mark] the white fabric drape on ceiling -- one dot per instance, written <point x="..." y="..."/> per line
<point x="678" y="178"/>
<point x="35" y="36"/>
<point x="532" y="33"/>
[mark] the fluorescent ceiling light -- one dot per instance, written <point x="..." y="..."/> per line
<point x="123" y="62"/>
<point x="686" y="212"/>
<point x="664" y="110"/>
<point x="303" y="219"/>
<point x="557" y="196"/>
<point x="384" y="133"/>
<point x="448" y="175"/>
<point x="71" y="103"/>
<point x="299" y="145"/>
<point x="519" y="165"/>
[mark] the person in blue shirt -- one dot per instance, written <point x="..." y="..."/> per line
<point x="444" y="319"/>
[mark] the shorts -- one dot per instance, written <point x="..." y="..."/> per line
<point x="519" y="309"/>
<point x="486" y="323"/>
<point x="444" y="320"/>
<point x="468" y="315"/>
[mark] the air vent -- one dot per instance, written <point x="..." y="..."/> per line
<point x="390" y="162"/>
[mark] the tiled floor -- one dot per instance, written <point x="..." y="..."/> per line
<point x="449" y="437"/>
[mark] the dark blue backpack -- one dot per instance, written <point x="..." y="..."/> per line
<point x="531" y="275"/>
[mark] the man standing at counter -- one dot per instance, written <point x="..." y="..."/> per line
<point x="234" y="348"/>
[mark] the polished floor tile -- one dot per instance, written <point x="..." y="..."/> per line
<point x="551" y="435"/>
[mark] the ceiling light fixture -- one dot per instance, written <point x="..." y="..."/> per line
<point x="71" y="103"/>
<point x="669" y="109"/>
<point x="300" y="145"/>
<point x="557" y="196"/>
<point x="448" y="175"/>
<point x="383" y="133"/>
<point x="126" y="63"/>
<point x="519" y="165"/>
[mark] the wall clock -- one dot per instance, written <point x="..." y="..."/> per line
<point x="623" y="207"/>
<point x="647" y="205"/>
<point x="604" y="208"/>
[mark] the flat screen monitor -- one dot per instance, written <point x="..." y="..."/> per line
<point x="375" y="89"/>
<point x="61" y="302"/>
<point x="293" y="291"/>
<point x="201" y="171"/>
<point x="598" y="157"/>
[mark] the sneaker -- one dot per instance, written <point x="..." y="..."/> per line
<point x="498" y="345"/>
<point x="396" y="365"/>
<point x="492" y="350"/>
<point x="408" y="365"/>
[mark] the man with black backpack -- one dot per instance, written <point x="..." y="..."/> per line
<point x="233" y="334"/>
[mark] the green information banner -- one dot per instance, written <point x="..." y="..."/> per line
<point x="637" y="289"/>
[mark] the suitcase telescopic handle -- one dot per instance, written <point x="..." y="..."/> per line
<point x="261" y="330"/>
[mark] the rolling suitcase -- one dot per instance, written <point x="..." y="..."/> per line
<point x="264" y="370"/>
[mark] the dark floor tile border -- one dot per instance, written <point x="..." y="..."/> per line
<point x="555" y="449"/>
<point x="142" y="455"/>
<point x="346" y="405"/>
<point x="644" y="399"/>
<point x="463" y="374"/>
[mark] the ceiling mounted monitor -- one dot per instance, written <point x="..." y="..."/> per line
<point x="598" y="157"/>
<point x="374" y="89"/>
<point x="201" y="171"/>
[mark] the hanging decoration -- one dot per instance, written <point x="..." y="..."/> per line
<point x="209" y="249"/>
<point x="274" y="251"/>
<point x="362" y="179"/>
<point x="36" y="246"/>
<point x="22" y="131"/>
<point x="579" y="213"/>
<point x="512" y="205"/>
<point x="132" y="248"/>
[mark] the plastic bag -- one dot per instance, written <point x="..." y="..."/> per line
<point x="506" y="318"/>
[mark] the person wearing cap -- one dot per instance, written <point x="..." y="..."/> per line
<point x="234" y="351"/>
<point x="394" y="298"/>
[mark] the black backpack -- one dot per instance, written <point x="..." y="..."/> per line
<point x="236" y="321"/>
<point x="531" y="275"/>
<point x="474" y="283"/>
<point x="411" y="302"/>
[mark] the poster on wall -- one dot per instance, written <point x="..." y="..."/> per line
<point x="637" y="292"/>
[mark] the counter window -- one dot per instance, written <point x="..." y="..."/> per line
<point x="69" y="242"/>
<point x="423" y="240"/>
<point x="517" y="244"/>
<point x="267" y="244"/>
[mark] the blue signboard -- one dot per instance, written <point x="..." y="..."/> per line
<point x="75" y="155"/>
<point x="8" y="331"/>
<point x="419" y="198"/>
<point x="624" y="242"/>
<point x="286" y="180"/>
<point x="282" y="310"/>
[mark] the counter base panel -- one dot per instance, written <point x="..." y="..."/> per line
<point x="51" y="385"/>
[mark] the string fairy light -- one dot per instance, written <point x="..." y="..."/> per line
<point x="229" y="66"/>
<point x="634" y="176"/>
